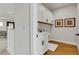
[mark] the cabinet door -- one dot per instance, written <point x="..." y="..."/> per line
<point x="45" y="42"/>
<point x="44" y="14"/>
<point x="40" y="43"/>
<point x="49" y="16"/>
<point x="40" y="12"/>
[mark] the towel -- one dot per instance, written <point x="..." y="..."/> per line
<point x="52" y="47"/>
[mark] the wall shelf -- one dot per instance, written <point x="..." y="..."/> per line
<point x="45" y="23"/>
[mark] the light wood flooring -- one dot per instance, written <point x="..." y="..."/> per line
<point x="63" y="49"/>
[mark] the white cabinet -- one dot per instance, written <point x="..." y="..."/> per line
<point x="41" y="15"/>
<point x="44" y="14"/>
<point x="42" y="42"/>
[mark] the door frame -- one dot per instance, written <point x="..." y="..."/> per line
<point x="33" y="28"/>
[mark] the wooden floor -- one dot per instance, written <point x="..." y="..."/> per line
<point x="63" y="49"/>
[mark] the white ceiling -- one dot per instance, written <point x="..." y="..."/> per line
<point x="53" y="6"/>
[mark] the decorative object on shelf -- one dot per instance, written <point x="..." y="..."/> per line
<point x="69" y="22"/>
<point x="59" y="23"/>
<point x="11" y="24"/>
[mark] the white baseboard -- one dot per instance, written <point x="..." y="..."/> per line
<point x="72" y="43"/>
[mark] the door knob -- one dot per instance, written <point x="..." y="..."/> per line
<point x="37" y="35"/>
<point x="77" y="34"/>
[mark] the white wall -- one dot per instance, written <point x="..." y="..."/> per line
<point x="7" y="10"/>
<point x="64" y="34"/>
<point x="21" y="42"/>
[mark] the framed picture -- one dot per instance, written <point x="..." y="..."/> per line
<point x="69" y="22"/>
<point x="59" y="23"/>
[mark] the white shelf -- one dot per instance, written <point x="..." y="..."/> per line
<point x="45" y="23"/>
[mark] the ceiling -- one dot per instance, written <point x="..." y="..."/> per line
<point x="53" y="6"/>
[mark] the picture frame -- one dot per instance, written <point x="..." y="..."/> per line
<point x="69" y="22"/>
<point x="59" y="23"/>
